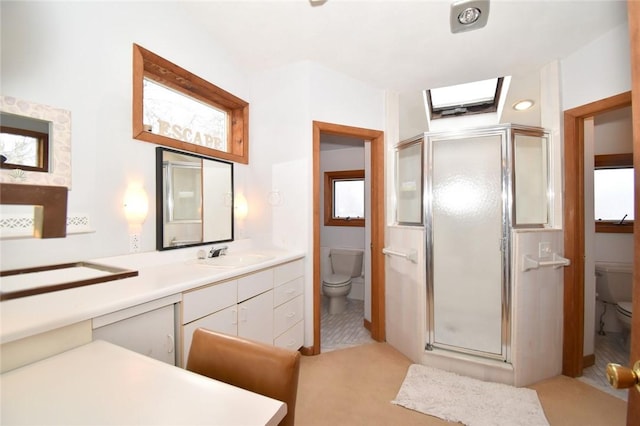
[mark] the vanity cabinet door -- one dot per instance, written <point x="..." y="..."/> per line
<point x="224" y="321"/>
<point x="150" y="333"/>
<point x="255" y="318"/>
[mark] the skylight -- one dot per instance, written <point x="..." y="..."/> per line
<point x="476" y="97"/>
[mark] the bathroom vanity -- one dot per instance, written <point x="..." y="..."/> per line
<point x="154" y="312"/>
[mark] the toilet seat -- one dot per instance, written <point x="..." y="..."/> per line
<point x="336" y="280"/>
<point x="625" y="309"/>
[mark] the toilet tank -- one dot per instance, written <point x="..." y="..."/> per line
<point x="613" y="282"/>
<point x="346" y="261"/>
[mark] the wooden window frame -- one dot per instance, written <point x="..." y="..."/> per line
<point x="42" y="150"/>
<point x="614" y="161"/>
<point x="147" y="64"/>
<point x="329" y="178"/>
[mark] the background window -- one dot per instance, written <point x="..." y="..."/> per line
<point x="613" y="193"/>
<point x="344" y="198"/>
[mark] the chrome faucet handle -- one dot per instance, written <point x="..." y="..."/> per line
<point x="218" y="251"/>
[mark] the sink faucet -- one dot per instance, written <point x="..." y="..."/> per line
<point x="218" y="251"/>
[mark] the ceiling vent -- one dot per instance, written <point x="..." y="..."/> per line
<point x="468" y="15"/>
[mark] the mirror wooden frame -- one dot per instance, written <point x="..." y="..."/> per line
<point x="59" y="168"/>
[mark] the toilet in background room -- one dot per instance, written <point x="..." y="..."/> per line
<point x="614" y="287"/>
<point x="345" y="264"/>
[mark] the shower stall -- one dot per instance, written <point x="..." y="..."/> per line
<point x="476" y="187"/>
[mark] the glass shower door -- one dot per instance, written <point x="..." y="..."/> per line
<point x="466" y="233"/>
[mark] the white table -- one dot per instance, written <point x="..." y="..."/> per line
<point x="101" y="383"/>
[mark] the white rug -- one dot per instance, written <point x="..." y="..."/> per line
<point x="472" y="402"/>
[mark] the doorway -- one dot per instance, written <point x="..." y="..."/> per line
<point x="376" y="138"/>
<point x="574" y="238"/>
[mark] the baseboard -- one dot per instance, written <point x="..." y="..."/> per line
<point x="307" y="351"/>
<point x="588" y="360"/>
<point x="367" y="325"/>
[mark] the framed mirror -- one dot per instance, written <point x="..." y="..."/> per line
<point x="43" y="154"/>
<point x="194" y="199"/>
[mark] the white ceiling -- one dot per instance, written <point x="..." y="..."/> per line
<point x="407" y="46"/>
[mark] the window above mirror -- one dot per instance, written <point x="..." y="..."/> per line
<point x="175" y="108"/>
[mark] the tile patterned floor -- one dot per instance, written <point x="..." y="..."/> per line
<point x="339" y="331"/>
<point x="611" y="347"/>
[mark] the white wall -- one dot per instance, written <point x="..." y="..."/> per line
<point x="286" y="101"/>
<point x="78" y="56"/>
<point x="600" y="69"/>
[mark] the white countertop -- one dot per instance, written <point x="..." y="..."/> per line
<point x="101" y="383"/>
<point x="160" y="274"/>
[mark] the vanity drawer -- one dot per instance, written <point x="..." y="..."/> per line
<point x="224" y="321"/>
<point x="204" y="301"/>
<point x="287" y="315"/>
<point x="287" y="291"/>
<point x="288" y="271"/>
<point x="254" y="284"/>
<point x="291" y="339"/>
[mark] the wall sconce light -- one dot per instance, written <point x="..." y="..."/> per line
<point x="241" y="207"/>
<point x="136" y="205"/>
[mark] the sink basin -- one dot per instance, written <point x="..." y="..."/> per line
<point x="235" y="260"/>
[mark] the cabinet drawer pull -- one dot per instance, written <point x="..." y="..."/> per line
<point x="291" y="343"/>
<point x="243" y="314"/>
<point x="234" y="316"/>
<point x="290" y="291"/>
<point x="291" y="314"/>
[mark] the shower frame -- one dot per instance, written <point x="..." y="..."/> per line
<point x="507" y="133"/>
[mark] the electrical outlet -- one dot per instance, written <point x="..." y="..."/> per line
<point x="544" y="250"/>
<point x="134" y="243"/>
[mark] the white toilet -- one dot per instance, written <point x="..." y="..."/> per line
<point x="614" y="286"/>
<point x="345" y="264"/>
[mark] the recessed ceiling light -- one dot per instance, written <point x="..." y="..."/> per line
<point x="523" y="105"/>
<point x="467" y="15"/>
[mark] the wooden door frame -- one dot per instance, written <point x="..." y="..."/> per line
<point x="633" y="7"/>
<point x="376" y="137"/>
<point x="573" y="339"/>
<point x="574" y="249"/>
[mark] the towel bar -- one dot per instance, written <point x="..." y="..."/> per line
<point x="412" y="256"/>
<point x="556" y="261"/>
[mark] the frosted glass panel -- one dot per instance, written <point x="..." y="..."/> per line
<point x="530" y="180"/>
<point x="467" y="233"/>
<point x="409" y="184"/>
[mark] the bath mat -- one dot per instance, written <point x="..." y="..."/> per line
<point x="472" y="402"/>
